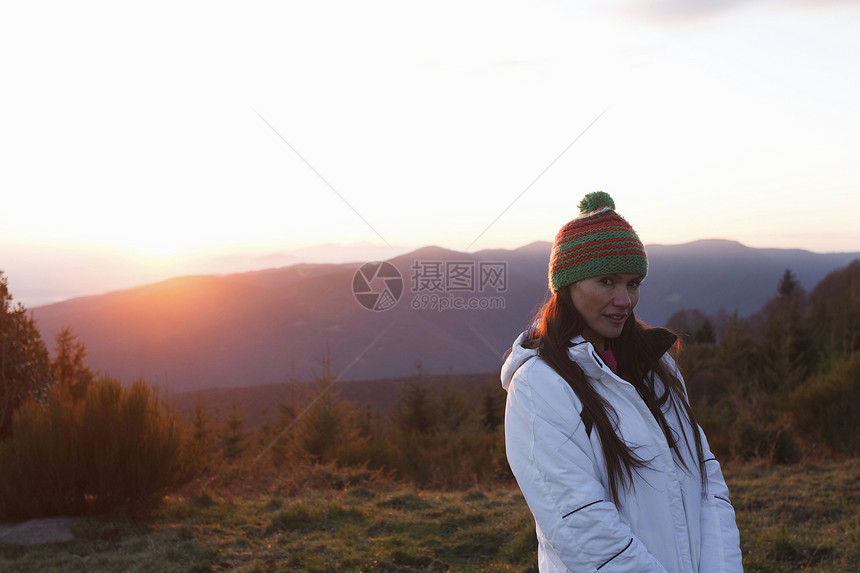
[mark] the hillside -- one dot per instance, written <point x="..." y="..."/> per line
<point x="263" y="327"/>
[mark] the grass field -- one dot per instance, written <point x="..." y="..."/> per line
<point x="792" y="518"/>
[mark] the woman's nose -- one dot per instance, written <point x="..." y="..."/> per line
<point x="621" y="297"/>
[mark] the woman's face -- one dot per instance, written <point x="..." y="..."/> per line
<point x="605" y="302"/>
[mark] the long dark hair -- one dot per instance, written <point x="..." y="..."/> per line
<point x="639" y="363"/>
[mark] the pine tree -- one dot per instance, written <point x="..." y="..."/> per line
<point x="737" y="352"/>
<point x="233" y="434"/>
<point x="835" y="318"/>
<point x="417" y="409"/>
<point x="323" y="428"/>
<point x="24" y="364"/>
<point x="704" y="333"/>
<point x="68" y="368"/>
<point x="492" y="408"/>
<point x="787" y="341"/>
<point x="201" y="436"/>
<point x="787" y="284"/>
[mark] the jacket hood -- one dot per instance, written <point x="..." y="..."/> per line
<point x="517" y="356"/>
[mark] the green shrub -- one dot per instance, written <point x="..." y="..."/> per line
<point x="828" y="406"/>
<point x="747" y="423"/>
<point x="117" y="446"/>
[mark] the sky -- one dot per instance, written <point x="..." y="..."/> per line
<point x="140" y="141"/>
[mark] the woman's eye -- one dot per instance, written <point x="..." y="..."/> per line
<point x="634" y="284"/>
<point x="606" y="281"/>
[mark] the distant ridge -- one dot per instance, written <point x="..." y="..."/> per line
<point x="262" y="327"/>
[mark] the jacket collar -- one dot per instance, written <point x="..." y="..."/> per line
<point x="586" y="356"/>
<point x="658" y="341"/>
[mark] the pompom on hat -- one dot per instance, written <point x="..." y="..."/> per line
<point x="598" y="242"/>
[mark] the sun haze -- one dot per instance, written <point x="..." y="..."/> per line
<point x="172" y="133"/>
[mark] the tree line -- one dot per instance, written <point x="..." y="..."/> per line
<point x="782" y="385"/>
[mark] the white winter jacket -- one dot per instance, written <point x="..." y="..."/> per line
<point x="665" y="523"/>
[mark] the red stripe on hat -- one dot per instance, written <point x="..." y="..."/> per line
<point x="558" y="265"/>
<point x="579" y="230"/>
<point x="600" y="244"/>
<point x="590" y="220"/>
<point x="567" y="264"/>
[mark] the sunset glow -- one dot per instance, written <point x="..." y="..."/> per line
<point x="220" y="131"/>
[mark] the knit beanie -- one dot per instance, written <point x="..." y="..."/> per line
<point x="598" y="242"/>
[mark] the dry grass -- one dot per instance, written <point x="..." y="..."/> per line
<point x="792" y="518"/>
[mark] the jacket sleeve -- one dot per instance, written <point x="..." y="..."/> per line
<point x="721" y="550"/>
<point x="551" y="457"/>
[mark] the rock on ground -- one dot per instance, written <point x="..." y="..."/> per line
<point x="37" y="531"/>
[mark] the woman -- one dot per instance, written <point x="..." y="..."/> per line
<point x="598" y="429"/>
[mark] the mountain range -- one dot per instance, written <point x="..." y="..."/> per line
<point x="267" y="326"/>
